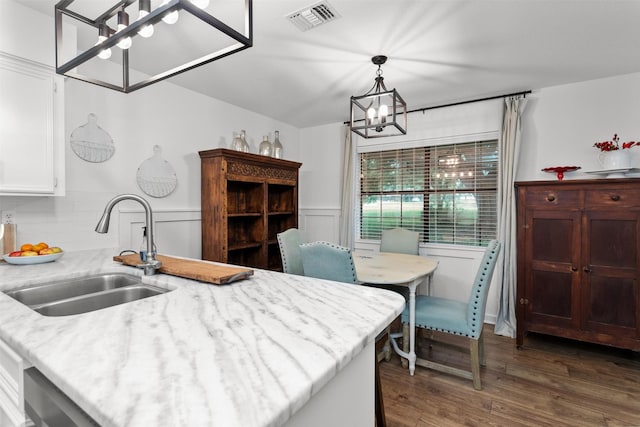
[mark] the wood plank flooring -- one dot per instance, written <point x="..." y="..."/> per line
<point x="549" y="382"/>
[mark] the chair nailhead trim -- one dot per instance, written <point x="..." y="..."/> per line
<point x="343" y="249"/>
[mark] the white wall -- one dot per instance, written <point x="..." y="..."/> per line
<point x="562" y="123"/>
<point x="321" y="181"/>
<point x="182" y="122"/>
<point x="21" y="30"/>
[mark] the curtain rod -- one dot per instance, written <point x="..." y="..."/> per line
<point x="525" y="93"/>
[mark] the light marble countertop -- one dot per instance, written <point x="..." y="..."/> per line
<point x="247" y="354"/>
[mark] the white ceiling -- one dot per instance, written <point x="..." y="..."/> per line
<point x="440" y="51"/>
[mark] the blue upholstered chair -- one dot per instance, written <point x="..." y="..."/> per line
<point x="400" y="240"/>
<point x="458" y="318"/>
<point x="324" y="260"/>
<point x="289" y="242"/>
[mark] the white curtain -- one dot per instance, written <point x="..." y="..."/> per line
<point x="346" y="215"/>
<point x="509" y="153"/>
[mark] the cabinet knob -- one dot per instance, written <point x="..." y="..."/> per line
<point x="551" y="197"/>
<point x="586" y="269"/>
<point x="574" y="268"/>
<point x="615" y="197"/>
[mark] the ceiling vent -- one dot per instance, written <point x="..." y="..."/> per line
<point x="313" y="16"/>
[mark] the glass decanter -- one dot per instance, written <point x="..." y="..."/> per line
<point x="277" y="147"/>
<point x="245" y="146"/>
<point x="237" y="143"/>
<point x="265" y="148"/>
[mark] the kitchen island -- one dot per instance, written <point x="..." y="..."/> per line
<point x="255" y="353"/>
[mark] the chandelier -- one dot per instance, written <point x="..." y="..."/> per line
<point x="379" y="112"/>
<point x="134" y="43"/>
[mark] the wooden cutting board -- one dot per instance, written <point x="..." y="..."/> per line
<point x="193" y="269"/>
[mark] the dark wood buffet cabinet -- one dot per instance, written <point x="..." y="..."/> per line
<point x="246" y="200"/>
<point x="578" y="260"/>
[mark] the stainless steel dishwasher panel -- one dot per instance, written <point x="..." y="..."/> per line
<point x="48" y="406"/>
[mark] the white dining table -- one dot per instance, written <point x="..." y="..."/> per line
<point x="386" y="268"/>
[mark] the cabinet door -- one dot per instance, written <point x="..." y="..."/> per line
<point x="610" y="294"/>
<point x="11" y="387"/>
<point x="31" y="131"/>
<point x="552" y="277"/>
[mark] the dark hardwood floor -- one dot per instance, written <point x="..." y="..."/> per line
<point x="549" y="382"/>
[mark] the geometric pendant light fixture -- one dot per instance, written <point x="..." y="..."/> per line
<point x="129" y="44"/>
<point x="379" y="112"/>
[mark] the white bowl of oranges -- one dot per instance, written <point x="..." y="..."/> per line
<point x="34" y="254"/>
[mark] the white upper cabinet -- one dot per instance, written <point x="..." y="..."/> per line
<point x="31" y="128"/>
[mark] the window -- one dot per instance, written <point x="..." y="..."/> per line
<point x="447" y="192"/>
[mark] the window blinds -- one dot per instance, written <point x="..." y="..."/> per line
<point x="447" y="192"/>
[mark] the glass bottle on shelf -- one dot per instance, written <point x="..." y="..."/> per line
<point x="236" y="144"/>
<point x="243" y="137"/>
<point x="265" y="148"/>
<point x="277" y="147"/>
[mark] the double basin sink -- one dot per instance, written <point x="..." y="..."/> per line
<point x="84" y="294"/>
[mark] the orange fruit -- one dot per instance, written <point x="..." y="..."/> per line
<point x="26" y="247"/>
<point x="37" y="248"/>
<point x="43" y="244"/>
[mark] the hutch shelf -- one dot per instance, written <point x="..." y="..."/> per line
<point x="246" y="200"/>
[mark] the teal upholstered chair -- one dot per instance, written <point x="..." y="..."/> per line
<point x="458" y="318"/>
<point x="400" y="240"/>
<point x="324" y="260"/>
<point x="289" y="242"/>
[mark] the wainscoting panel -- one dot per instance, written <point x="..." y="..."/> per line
<point x="320" y="224"/>
<point x="177" y="232"/>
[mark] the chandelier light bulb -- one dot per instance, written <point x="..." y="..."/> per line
<point x="123" y="22"/>
<point x="383" y="111"/>
<point x="147" y="30"/>
<point x="103" y="34"/>
<point x="126" y="42"/>
<point x="104" y="53"/>
<point x="145" y="7"/>
<point x="170" y="18"/>
<point x="202" y="4"/>
<point x="371" y="113"/>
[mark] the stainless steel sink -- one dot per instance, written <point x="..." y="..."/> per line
<point x="55" y="291"/>
<point x="84" y="294"/>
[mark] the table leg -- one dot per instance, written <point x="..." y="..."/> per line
<point x="411" y="356"/>
<point x="412" y="326"/>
